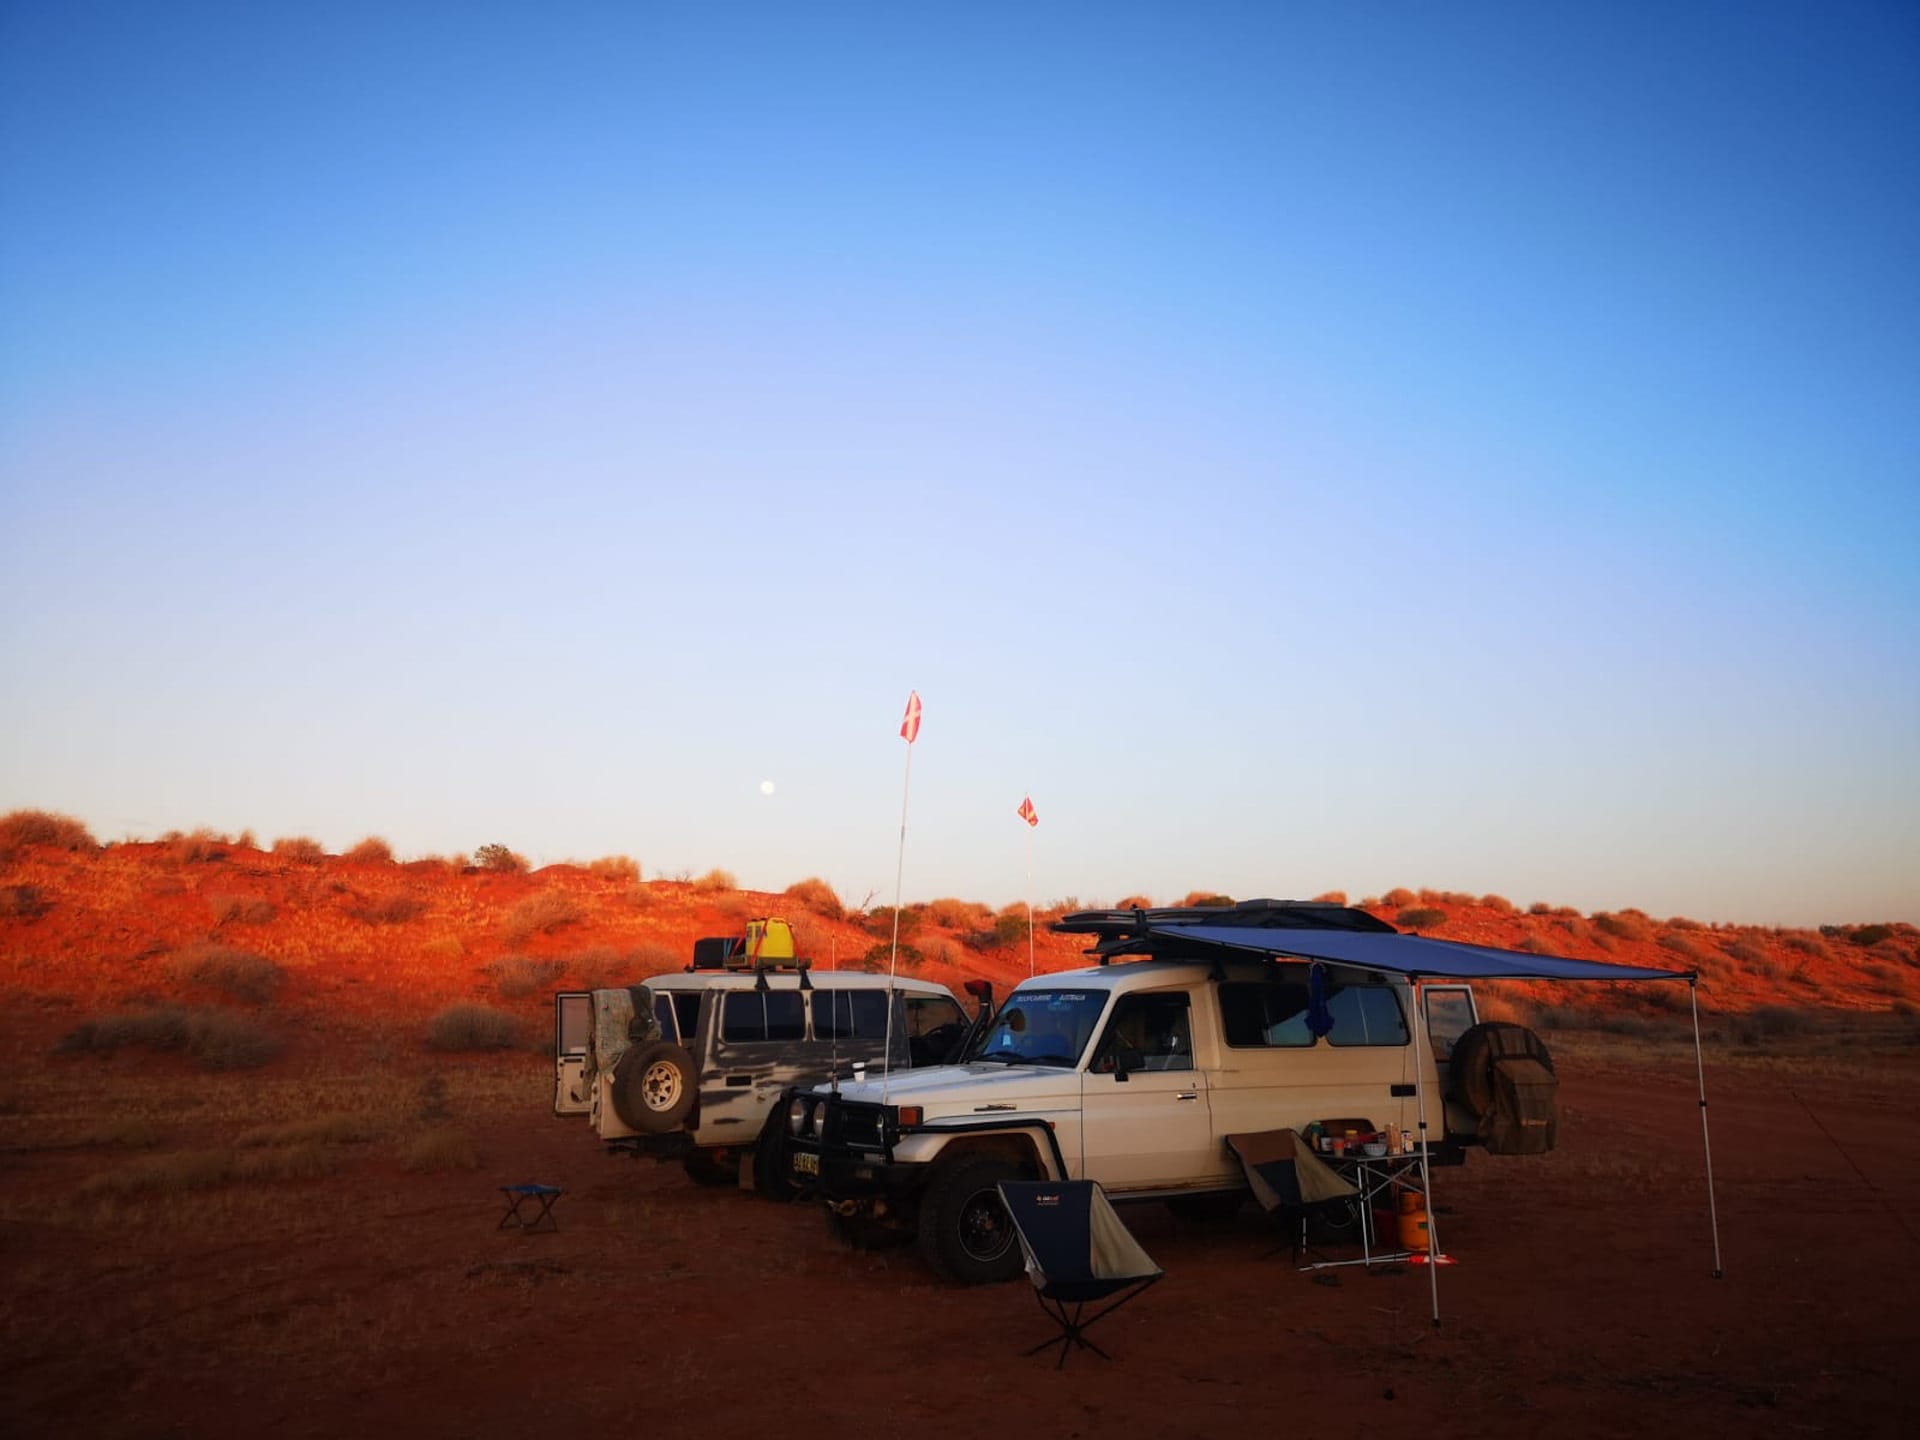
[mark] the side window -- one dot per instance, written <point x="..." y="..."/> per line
<point x="686" y="1009"/>
<point x="1366" y="1015"/>
<point x="1148" y="1032"/>
<point x="849" y="1014"/>
<point x="750" y="1015"/>
<point x="930" y="1012"/>
<point x="663" y="1012"/>
<point x="1257" y="1014"/>
<point x="1450" y="1015"/>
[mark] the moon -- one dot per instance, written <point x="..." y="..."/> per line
<point x="766" y="787"/>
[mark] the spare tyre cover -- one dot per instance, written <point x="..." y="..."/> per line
<point x="1503" y="1074"/>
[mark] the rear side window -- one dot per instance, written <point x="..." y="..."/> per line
<point x="849" y="1014"/>
<point x="1366" y="1015"/>
<point x="1255" y="1015"/>
<point x="663" y="1012"/>
<point x="686" y="1009"/>
<point x="751" y="1015"/>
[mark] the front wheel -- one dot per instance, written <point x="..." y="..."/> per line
<point x="965" y="1232"/>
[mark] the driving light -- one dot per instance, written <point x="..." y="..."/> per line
<point x="819" y="1120"/>
<point x="796" y="1115"/>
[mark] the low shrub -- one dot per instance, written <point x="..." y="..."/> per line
<point x="19" y="828"/>
<point x="1808" y="944"/>
<point x="1143" y="902"/>
<point x="473" y="1027"/>
<point x="952" y="914"/>
<point x="370" y="851"/>
<point x="615" y="867"/>
<point x="239" y="909"/>
<point x="500" y="860"/>
<point x="540" y="914"/>
<point x="879" y="922"/>
<point x="1869" y="935"/>
<point x="1398" y="898"/>
<point x="177" y="1173"/>
<point x="1540" y="907"/>
<point x="239" y="973"/>
<point x="818" y="896"/>
<point x="1499" y="904"/>
<point x="1535" y="945"/>
<point x="218" y="1039"/>
<point x="516" y="976"/>
<point x="1681" y="946"/>
<point x="1771" y="1022"/>
<point x="1207" y="897"/>
<point x="1681" y="922"/>
<point x="304" y="1160"/>
<point x="1747" y="954"/>
<point x="1326" y="897"/>
<point x="300" y="849"/>
<point x="716" y="879"/>
<point x="1420" y="918"/>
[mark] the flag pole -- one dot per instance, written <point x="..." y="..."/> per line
<point x="909" y="732"/>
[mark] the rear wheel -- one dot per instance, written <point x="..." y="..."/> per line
<point x="965" y="1232"/>
<point x="653" y="1087"/>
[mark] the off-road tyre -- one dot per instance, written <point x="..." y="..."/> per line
<point x="1470" y="1071"/>
<point x="705" y="1167"/>
<point x="772" y="1167"/>
<point x="1214" y="1208"/>
<point x="653" y="1087"/>
<point x="966" y="1234"/>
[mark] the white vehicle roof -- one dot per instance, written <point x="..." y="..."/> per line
<point x="789" y="979"/>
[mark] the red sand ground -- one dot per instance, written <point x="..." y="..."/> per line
<point x="373" y="1299"/>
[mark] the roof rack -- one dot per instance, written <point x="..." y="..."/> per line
<point x="1129" y="932"/>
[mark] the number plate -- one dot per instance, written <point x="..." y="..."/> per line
<point x="805" y="1163"/>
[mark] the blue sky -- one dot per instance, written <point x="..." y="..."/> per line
<point x="1306" y="446"/>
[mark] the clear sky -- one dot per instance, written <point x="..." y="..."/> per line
<point x="1307" y="446"/>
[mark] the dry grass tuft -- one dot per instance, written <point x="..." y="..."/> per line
<point x="171" y="1174"/>
<point x="1420" y="918"/>
<point x="615" y="867"/>
<point x="370" y="851"/>
<point x="1683" y="947"/>
<point x="335" y="1129"/>
<point x="1808" y="944"/>
<point x="1207" y="897"/>
<point x="716" y="879"/>
<point x="516" y="976"/>
<point x="473" y="1027"/>
<point x="218" y="1039"/>
<point x="392" y="909"/>
<point x="197" y="847"/>
<point x="306" y="1160"/>
<point x="300" y="849"/>
<point x="1623" y="924"/>
<point x="1329" y="897"/>
<point x="952" y="914"/>
<point x="239" y="909"/>
<point x="1398" y="897"/>
<point x="818" y="896"/>
<point x="1499" y="904"/>
<point x="439" y="1148"/>
<point x="22" y="902"/>
<point x="19" y="828"/>
<point x="540" y="914"/>
<point x="238" y="973"/>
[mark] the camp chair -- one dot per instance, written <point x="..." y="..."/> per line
<point x="1289" y="1180"/>
<point x="1078" y="1253"/>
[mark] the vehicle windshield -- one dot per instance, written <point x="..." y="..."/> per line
<point x="1042" y="1027"/>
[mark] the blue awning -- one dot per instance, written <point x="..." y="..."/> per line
<point x="1411" y="955"/>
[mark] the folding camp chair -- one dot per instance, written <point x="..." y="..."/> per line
<point x="1291" y="1182"/>
<point x="1078" y="1253"/>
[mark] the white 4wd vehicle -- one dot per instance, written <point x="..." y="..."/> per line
<point x="688" y="1066"/>
<point x="1132" y="1075"/>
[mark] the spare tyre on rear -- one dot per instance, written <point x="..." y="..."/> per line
<point x="653" y="1087"/>
<point x="1503" y="1075"/>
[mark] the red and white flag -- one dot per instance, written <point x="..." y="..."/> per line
<point x="1028" y="813"/>
<point x="910" y="726"/>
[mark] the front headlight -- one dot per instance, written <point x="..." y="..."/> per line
<point x="819" y="1119"/>
<point x="796" y="1115"/>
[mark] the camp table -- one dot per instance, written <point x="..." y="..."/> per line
<point x="1376" y="1177"/>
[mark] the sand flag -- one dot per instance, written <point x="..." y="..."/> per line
<point x="1028" y="813"/>
<point x="909" y="732"/>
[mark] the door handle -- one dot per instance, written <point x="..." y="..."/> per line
<point x="1188" y="1095"/>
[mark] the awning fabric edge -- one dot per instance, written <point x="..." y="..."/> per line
<point x="1412" y="955"/>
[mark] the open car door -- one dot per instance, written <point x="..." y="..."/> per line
<point x="572" y="1037"/>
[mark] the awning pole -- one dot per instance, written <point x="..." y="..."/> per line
<point x="1426" y="1178"/>
<point x="1706" y="1141"/>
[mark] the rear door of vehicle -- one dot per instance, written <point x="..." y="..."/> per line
<point x="572" y="1041"/>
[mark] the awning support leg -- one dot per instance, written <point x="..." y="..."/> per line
<point x="1706" y="1140"/>
<point x="1426" y="1179"/>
